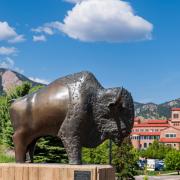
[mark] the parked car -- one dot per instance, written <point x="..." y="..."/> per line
<point x="155" y="165"/>
<point x="159" y="165"/>
<point x="141" y="163"/>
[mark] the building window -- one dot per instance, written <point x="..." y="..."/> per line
<point x="168" y="145"/>
<point x="145" y="145"/>
<point x="146" y="130"/>
<point x="137" y="130"/>
<point x="170" y="135"/>
<point x="174" y="144"/>
<point x="142" y="130"/>
<point x="175" y="116"/>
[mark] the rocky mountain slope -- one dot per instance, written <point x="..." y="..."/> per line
<point x="9" y="79"/>
<point x="156" y="111"/>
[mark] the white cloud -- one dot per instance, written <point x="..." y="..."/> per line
<point x="43" y="29"/>
<point x="8" y="63"/>
<point x="17" y="39"/>
<point x="8" y="50"/>
<point x="97" y="20"/>
<point x="8" y="33"/>
<point x="75" y="1"/>
<point x="39" y="38"/>
<point x="107" y="20"/>
<point x="43" y="81"/>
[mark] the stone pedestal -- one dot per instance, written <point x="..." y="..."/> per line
<point x="12" y="171"/>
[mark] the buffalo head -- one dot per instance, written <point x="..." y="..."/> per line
<point x="115" y="114"/>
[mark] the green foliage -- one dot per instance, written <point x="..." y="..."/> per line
<point x="19" y="91"/>
<point x="155" y="151"/>
<point x="97" y="155"/>
<point x="125" y="159"/>
<point x="172" y="160"/>
<point x="35" y="88"/>
<point x="145" y="177"/>
<point x="50" y="149"/>
<point x="6" y="130"/>
<point x="5" y="124"/>
<point x="5" y="159"/>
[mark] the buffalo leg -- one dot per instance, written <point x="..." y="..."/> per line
<point x="73" y="149"/>
<point x="69" y="133"/>
<point x="31" y="148"/>
<point x="71" y="142"/>
<point x="20" y="147"/>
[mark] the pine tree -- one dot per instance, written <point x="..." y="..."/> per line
<point x="50" y="149"/>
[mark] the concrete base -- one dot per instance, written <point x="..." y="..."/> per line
<point x="13" y="171"/>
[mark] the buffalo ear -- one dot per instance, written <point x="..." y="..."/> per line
<point x="115" y="99"/>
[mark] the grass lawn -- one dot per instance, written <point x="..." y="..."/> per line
<point x="6" y="159"/>
<point x="155" y="173"/>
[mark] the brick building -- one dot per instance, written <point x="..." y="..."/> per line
<point x="146" y="131"/>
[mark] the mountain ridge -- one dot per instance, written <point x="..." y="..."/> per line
<point x="10" y="79"/>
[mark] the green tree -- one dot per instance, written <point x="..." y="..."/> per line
<point x="6" y="130"/>
<point x="155" y="151"/>
<point x="50" y="149"/>
<point x="98" y="155"/>
<point x="5" y="125"/>
<point x="125" y="159"/>
<point x="172" y="160"/>
<point x="19" y="91"/>
<point x="35" y="88"/>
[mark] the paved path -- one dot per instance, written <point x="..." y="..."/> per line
<point x="173" y="177"/>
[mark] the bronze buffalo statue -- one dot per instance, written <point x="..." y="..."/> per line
<point x="75" y="108"/>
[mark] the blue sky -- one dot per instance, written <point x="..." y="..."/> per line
<point x="142" y="56"/>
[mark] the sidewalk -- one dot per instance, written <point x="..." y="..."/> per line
<point x="163" y="177"/>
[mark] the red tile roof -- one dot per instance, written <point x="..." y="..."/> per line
<point x="151" y="125"/>
<point x="177" y="128"/>
<point x="146" y="133"/>
<point x="175" y="109"/>
<point x="170" y="140"/>
<point x="156" y="121"/>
